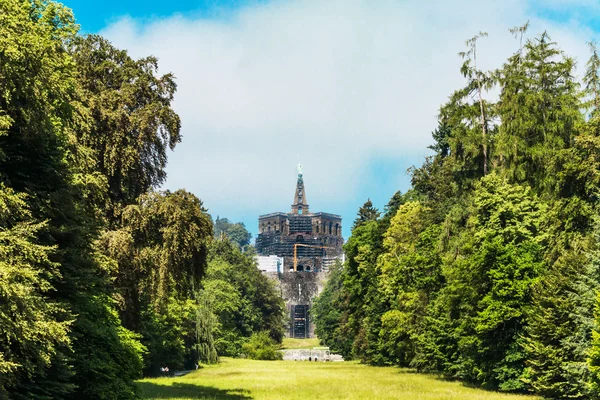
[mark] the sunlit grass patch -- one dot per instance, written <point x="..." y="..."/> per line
<point x="237" y="379"/>
<point x="289" y="343"/>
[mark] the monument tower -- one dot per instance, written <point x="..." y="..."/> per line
<point x="300" y="207"/>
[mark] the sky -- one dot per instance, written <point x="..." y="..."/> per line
<point x="349" y="88"/>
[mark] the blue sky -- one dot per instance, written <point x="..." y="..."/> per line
<point x="350" y="88"/>
<point x="94" y="16"/>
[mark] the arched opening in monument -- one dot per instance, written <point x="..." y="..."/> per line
<point x="307" y="268"/>
<point x="299" y="238"/>
<point x="300" y="268"/>
<point x="330" y="227"/>
<point x="337" y="229"/>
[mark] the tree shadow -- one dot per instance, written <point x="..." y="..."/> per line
<point x="150" y="390"/>
<point x="452" y="379"/>
<point x="472" y="385"/>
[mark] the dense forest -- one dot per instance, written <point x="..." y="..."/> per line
<point x="104" y="278"/>
<point x="487" y="269"/>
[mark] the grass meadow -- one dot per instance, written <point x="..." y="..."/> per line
<point x="239" y="379"/>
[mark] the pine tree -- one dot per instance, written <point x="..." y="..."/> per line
<point x="558" y="335"/>
<point x="478" y="81"/>
<point x="366" y="213"/>
<point x="539" y="109"/>
<point x="592" y="79"/>
<point x="34" y="332"/>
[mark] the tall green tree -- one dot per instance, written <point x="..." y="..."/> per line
<point x="366" y="213"/>
<point x="236" y="232"/>
<point x="478" y="82"/>
<point x="131" y="123"/>
<point x="560" y="323"/>
<point x="330" y="313"/>
<point x="539" y="108"/>
<point x="34" y="329"/>
<point x="591" y="78"/>
<point x="42" y="157"/>
<point x="410" y="277"/>
<point x="161" y="254"/>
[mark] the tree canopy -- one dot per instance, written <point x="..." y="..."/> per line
<point x="486" y="269"/>
<point x="101" y="275"/>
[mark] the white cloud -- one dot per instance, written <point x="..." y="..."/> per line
<point x="329" y="83"/>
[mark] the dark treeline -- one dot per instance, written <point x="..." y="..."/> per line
<point x="102" y="277"/>
<point x="487" y="269"/>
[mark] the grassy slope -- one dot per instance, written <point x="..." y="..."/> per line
<point x="289" y="343"/>
<point x="236" y="379"/>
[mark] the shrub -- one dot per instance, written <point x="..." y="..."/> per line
<point x="260" y="346"/>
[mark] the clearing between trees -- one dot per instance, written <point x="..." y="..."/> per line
<point x="239" y="379"/>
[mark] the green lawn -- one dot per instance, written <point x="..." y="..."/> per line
<point x="236" y="379"/>
<point x="289" y="343"/>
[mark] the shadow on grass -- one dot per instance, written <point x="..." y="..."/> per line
<point x="447" y="378"/>
<point x="475" y="385"/>
<point x="150" y="390"/>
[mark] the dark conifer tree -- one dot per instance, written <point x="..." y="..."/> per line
<point x="366" y="213"/>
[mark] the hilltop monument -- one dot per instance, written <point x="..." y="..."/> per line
<point x="297" y="248"/>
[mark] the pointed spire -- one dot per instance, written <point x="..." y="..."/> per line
<point x="300" y="205"/>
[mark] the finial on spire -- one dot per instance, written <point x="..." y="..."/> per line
<point x="300" y="206"/>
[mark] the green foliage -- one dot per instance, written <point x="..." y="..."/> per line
<point x="205" y="326"/>
<point x="235" y="232"/>
<point x="107" y="357"/>
<point x="361" y="281"/>
<point x="486" y="269"/>
<point x="169" y="333"/>
<point x="539" y="107"/>
<point x="40" y="119"/>
<point x="34" y="332"/>
<point x="261" y="346"/>
<point x="441" y="138"/>
<point x="329" y="312"/>
<point x="592" y="79"/>
<point x="84" y="131"/>
<point x="558" y="336"/>
<point x="161" y="252"/>
<point x="125" y="98"/>
<point x="410" y="276"/>
<point x="243" y="300"/>
<point x="594" y="353"/>
<point x="366" y="213"/>
<point x="499" y="257"/>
